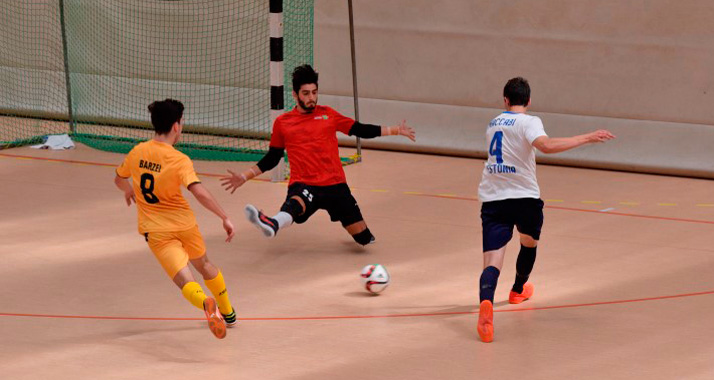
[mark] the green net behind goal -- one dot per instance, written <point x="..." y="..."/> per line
<point x="212" y="55"/>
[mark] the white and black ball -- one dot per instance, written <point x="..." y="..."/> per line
<point x="375" y="278"/>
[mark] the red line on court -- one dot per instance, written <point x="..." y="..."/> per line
<point x="365" y="316"/>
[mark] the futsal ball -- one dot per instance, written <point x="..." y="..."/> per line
<point x="375" y="278"/>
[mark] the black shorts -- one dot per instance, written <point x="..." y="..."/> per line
<point x="499" y="217"/>
<point x="336" y="199"/>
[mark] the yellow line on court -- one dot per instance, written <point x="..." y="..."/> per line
<point x="666" y="204"/>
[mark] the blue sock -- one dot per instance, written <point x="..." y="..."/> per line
<point x="524" y="267"/>
<point x="489" y="279"/>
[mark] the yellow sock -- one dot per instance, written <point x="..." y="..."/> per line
<point x="194" y="294"/>
<point x="218" y="288"/>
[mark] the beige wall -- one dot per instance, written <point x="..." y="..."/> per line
<point x="617" y="61"/>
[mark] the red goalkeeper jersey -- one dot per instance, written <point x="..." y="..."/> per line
<point x="311" y="143"/>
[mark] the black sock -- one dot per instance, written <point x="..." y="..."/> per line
<point x="524" y="267"/>
<point x="489" y="279"/>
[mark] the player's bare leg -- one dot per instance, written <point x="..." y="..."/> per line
<point x="183" y="277"/>
<point x="205" y="267"/>
<point x="494" y="258"/>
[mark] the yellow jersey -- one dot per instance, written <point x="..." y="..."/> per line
<point x="157" y="172"/>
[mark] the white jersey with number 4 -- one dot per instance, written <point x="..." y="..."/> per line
<point x="510" y="171"/>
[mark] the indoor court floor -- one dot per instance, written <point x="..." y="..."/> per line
<point x="623" y="280"/>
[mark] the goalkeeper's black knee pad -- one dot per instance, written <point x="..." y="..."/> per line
<point x="292" y="207"/>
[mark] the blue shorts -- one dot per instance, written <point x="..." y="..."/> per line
<point x="499" y="217"/>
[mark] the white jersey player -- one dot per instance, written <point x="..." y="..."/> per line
<point x="510" y="194"/>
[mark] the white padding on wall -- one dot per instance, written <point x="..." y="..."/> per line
<point x="641" y="145"/>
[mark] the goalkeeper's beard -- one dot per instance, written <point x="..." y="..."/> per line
<point x="305" y="107"/>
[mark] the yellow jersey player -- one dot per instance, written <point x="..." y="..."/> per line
<point x="157" y="171"/>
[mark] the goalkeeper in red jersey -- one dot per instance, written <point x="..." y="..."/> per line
<point x="317" y="181"/>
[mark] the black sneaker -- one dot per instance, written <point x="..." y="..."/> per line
<point x="268" y="226"/>
<point x="230" y="319"/>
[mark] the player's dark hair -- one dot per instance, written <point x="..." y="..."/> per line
<point x="517" y="91"/>
<point x="304" y="74"/>
<point x="164" y="113"/>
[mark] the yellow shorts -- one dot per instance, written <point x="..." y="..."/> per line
<point x="174" y="249"/>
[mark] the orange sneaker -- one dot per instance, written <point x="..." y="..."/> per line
<point x="485" y="321"/>
<point x="215" y="320"/>
<point x="516" y="298"/>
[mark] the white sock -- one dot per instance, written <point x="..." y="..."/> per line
<point x="284" y="219"/>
